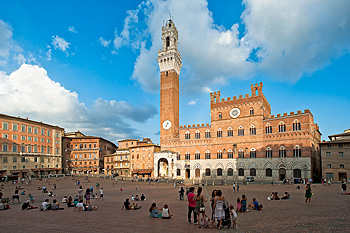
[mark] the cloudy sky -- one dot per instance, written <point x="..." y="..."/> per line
<point x="92" y="66"/>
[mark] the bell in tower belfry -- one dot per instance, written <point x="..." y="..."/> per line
<point x="169" y="60"/>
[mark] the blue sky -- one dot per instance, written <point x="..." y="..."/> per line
<point x="91" y="65"/>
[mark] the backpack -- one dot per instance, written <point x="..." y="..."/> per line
<point x="260" y="207"/>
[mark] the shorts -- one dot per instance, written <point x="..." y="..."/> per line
<point x="15" y="197"/>
<point x="101" y="195"/>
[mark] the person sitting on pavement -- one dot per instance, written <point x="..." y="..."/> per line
<point x="4" y="205"/>
<point x="70" y="202"/>
<point x="136" y="197"/>
<point x="23" y="192"/>
<point x="286" y="195"/>
<point x="55" y="205"/>
<point x="80" y="206"/>
<point x="275" y="196"/>
<point x="143" y="198"/>
<point x="27" y="206"/>
<point x="76" y="201"/>
<point x="46" y="205"/>
<point x="166" y="213"/>
<point x="134" y="206"/>
<point x="126" y="204"/>
<point x="153" y="211"/>
<point x="64" y="199"/>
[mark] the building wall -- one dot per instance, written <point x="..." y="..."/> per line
<point x="332" y="162"/>
<point x="118" y="163"/>
<point x="86" y="154"/>
<point x="142" y="157"/>
<point x="27" y="144"/>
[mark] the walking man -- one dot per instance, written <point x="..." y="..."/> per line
<point x="181" y="193"/>
<point x="234" y="186"/>
<point x="191" y="206"/>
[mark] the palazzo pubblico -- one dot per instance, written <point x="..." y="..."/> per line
<point x="242" y="140"/>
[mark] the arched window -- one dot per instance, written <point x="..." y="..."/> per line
<point x="268" y="152"/>
<point x="296" y="125"/>
<point x="187" y="135"/>
<point x="167" y="41"/>
<point x="219" y="133"/>
<point x="241" y="153"/>
<point x="230" y="172"/>
<point x="230" y="154"/>
<point x="219" y="172"/>
<point x="178" y="156"/>
<point x="296" y="173"/>
<point x="252" y="153"/>
<point x="220" y="116"/>
<point x="187" y="156"/>
<point x="240" y="172"/>
<point x="268" y="172"/>
<point x="207" y="154"/>
<point x="251" y="111"/>
<point x="219" y="154"/>
<point x="240" y="131"/>
<point x="197" y="135"/>
<point x="282" y="152"/>
<point x="229" y="132"/>
<point x="252" y="172"/>
<point x="252" y="130"/>
<point x="207" y="172"/>
<point x="268" y="129"/>
<point x="297" y="151"/>
<point x="207" y="133"/>
<point x="197" y="155"/>
<point x="282" y="127"/>
<point x="178" y="172"/>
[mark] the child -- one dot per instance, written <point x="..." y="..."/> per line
<point x="239" y="207"/>
<point x="31" y="197"/>
<point x="166" y="213"/>
<point x="233" y="214"/>
<point x="207" y="220"/>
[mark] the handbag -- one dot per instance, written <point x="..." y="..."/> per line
<point x="202" y="209"/>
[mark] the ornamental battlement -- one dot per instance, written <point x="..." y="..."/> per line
<point x="306" y="111"/>
<point x="216" y="101"/>
<point x="194" y="126"/>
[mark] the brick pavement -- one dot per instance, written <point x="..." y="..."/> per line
<point x="328" y="212"/>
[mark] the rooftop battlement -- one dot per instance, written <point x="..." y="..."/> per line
<point x="306" y="111"/>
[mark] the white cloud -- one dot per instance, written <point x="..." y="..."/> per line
<point x="60" y="43"/>
<point x="48" y="55"/>
<point x="282" y="39"/>
<point x="104" y="43"/>
<point x="29" y="92"/>
<point x="72" y="29"/>
<point x="192" y="102"/>
<point x="20" y="59"/>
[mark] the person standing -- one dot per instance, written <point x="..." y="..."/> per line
<point x="181" y="193"/>
<point x="237" y="187"/>
<point x="200" y="209"/>
<point x="191" y="206"/>
<point x="101" y="194"/>
<point x="219" y="212"/>
<point x="343" y="187"/>
<point x="234" y="186"/>
<point x="308" y="194"/>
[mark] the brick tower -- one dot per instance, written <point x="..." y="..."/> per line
<point x="169" y="60"/>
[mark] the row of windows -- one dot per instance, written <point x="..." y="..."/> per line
<point x="83" y="146"/>
<point x="251" y="112"/>
<point x="23" y="167"/>
<point x="240" y="131"/>
<point x="26" y="129"/>
<point x="340" y="154"/>
<point x="85" y="163"/>
<point x="138" y="156"/>
<point x="340" y="166"/>
<point x="143" y="166"/>
<point x="29" y="138"/>
<point x="28" y="148"/>
<point x="26" y="160"/>
<point x="252" y="154"/>
<point x="252" y="172"/>
<point x="85" y="156"/>
<point x="339" y="145"/>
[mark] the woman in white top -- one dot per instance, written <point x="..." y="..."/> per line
<point x="166" y="213"/>
<point x="80" y="206"/>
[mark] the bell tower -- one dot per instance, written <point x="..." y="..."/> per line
<point x="169" y="60"/>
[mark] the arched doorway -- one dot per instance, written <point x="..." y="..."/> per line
<point x="282" y="173"/>
<point x="197" y="172"/>
<point x="188" y="173"/>
<point x="163" y="167"/>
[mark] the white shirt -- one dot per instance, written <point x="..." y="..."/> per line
<point x="44" y="205"/>
<point x="101" y="191"/>
<point x="234" y="214"/>
<point x="80" y="205"/>
<point x="165" y="213"/>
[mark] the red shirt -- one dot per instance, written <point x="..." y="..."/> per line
<point x="190" y="197"/>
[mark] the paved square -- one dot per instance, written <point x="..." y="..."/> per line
<point x="329" y="211"/>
